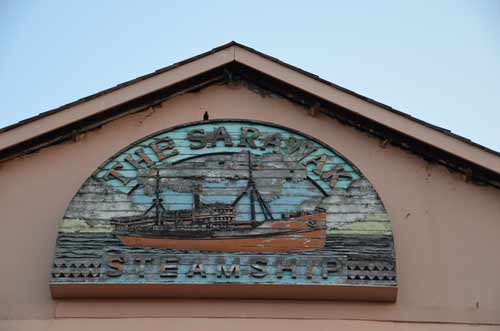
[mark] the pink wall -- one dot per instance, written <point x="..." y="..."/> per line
<point x="445" y="230"/>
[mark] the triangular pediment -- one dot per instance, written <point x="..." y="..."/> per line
<point x="235" y="62"/>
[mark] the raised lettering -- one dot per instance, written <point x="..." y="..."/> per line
<point x="142" y="158"/>
<point x="309" y="270"/>
<point x="170" y="268"/>
<point x="142" y="265"/>
<point x="273" y="140"/>
<point x="162" y="145"/>
<point x="197" y="268"/>
<point x="259" y="268"/>
<point x="299" y="149"/>
<point x="115" y="263"/>
<point x="329" y="267"/>
<point x="220" y="133"/>
<point x="319" y="161"/>
<point x="248" y="137"/>
<point x="290" y="266"/>
<point x="334" y="175"/>
<point x="113" y="173"/>
<point x="198" y="136"/>
<point x="223" y="270"/>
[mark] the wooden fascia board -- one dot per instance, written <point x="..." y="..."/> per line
<point x="115" y="98"/>
<point x="369" y="110"/>
<point x="269" y="67"/>
<point x="375" y="293"/>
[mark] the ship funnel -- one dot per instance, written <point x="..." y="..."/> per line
<point x="196" y="200"/>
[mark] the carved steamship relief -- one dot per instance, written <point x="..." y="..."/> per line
<point x="220" y="204"/>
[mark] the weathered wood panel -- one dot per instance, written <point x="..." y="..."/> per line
<point x="257" y="174"/>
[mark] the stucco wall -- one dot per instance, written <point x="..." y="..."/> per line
<point x="445" y="230"/>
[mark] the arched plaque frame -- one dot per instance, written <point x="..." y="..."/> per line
<point x="226" y="208"/>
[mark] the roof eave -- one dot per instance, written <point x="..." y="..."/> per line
<point x="233" y="52"/>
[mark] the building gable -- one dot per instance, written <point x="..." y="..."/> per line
<point x="233" y="62"/>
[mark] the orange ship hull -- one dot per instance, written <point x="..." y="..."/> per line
<point x="304" y="233"/>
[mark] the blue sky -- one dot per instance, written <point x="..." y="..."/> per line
<point x="436" y="60"/>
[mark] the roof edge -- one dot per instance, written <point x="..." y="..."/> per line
<point x="277" y="69"/>
<point x="118" y="86"/>
<point x="365" y="98"/>
<point x="386" y="115"/>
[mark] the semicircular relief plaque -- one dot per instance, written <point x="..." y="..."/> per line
<point x="226" y="208"/>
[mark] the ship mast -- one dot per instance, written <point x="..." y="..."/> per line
<point x="253" y="194"/>
<point x="157" y="201"/>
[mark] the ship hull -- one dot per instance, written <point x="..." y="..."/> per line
<point x="280" y="243"/>
<point x="299" y="234"/>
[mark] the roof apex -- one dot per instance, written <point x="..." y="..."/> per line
<point x="13" y="137"/>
